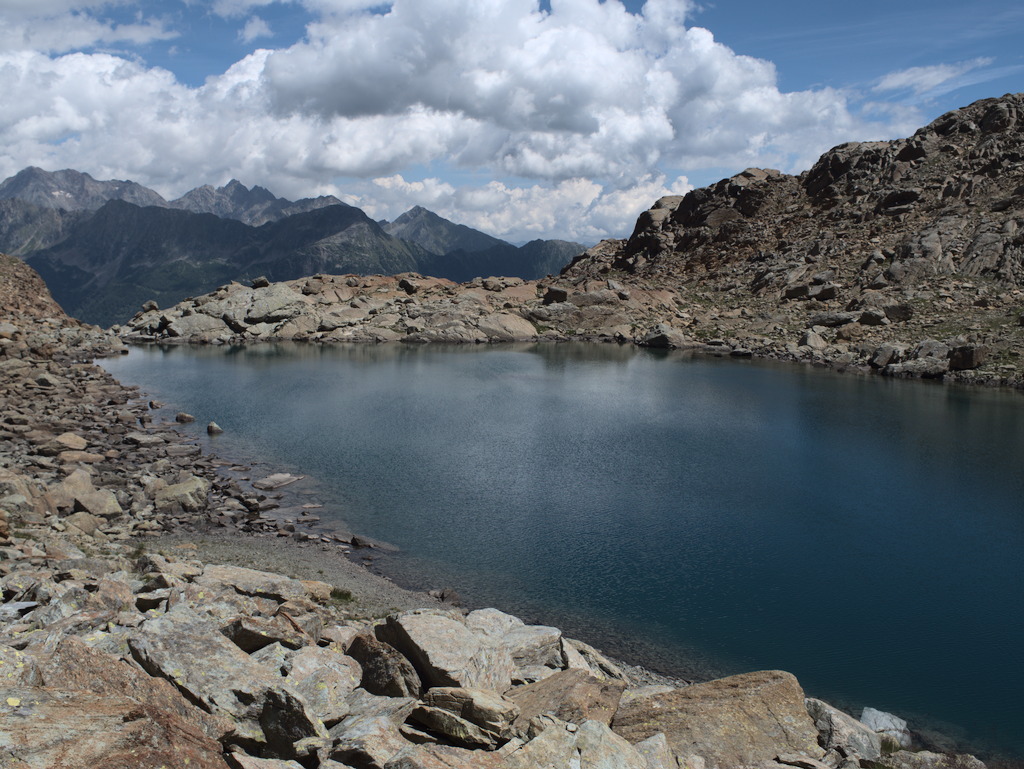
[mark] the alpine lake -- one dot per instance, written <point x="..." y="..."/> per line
<point x="699" y="516"/>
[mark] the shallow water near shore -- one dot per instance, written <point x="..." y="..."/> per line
<point x="699" y="516"/>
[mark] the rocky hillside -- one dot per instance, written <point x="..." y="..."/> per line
<point x="120" y="649"/>
<point x="904" y="258"/>
<point x="881" y="243"/>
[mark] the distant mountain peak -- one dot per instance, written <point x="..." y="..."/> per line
<point x="74" y="190"/>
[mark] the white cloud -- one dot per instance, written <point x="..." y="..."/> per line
<point x="254" y="28"/>
<point x="922" y="80"/>
<point x="238" y="8"/>
<point x="582" y="111"/>
<point x="58" y="26"/>
<point x="575" y="209"/>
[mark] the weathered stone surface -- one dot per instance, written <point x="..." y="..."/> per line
<point x="591" y="744"/>
<point x="369" y="737"/>
<point x="887" y="725"/>
<point x="42" y="728"/>
<point x="904" y="759"/>
<point x="74" y="666"/>
<point x="443" y="757"/>
<point x="188" y="495"/>
<point x="730" y="722"/>
<point x="251" y="582"/>
<point x="529" y="644"/>
<point x="839" y="730"/>
<point x="574" y="696"/>
<point x="445" y="652"/>
<point x="325" y="678"/>
<point x="386" y="671"/>
<point x="208" y="669"/>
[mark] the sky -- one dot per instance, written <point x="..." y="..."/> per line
<point x="522" y="118"/>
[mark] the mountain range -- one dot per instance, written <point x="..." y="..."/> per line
<point x="105" y="247"/>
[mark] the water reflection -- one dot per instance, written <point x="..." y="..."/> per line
<point x="703" y="514"/>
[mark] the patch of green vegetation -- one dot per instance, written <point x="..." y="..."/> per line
<point x="339" y="595"/>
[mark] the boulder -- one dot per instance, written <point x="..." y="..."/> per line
<point x="274" y="303"/>
<point x="187" y="650"/>
<point x="44" y="728"/>
<point x="445" y="652"/>
<point x="887" y="725"/>
<point x="574" y="696"/>
<point x="577" y="655"/>
<point x="251" y="582"/>
<point x="75" y="666"/>
<point x="441" y="757"/>
<point x="591" y="744"/>
<point x="905" y="759"/>
<point x="743" y="720"/>
<point x="386" y="672"/>
<point x="189" y="495"/>
<point x="198" y="326"/>
<point x="842" y="731"/>
<point x="967" y="356"/>
<point x="474" y="718"/>
<point x="369" y="737"/>
<point x="530" y="645"/>
<point x="665" y="336"/>
<point x="325" y="678"/>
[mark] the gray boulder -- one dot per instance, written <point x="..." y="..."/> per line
<point x="839" y="730"/>
<point x="184" y="648"/>
<point x="445" y="652"/>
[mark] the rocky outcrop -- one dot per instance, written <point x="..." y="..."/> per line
<point x="879" y="244"/>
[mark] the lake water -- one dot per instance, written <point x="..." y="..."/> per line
<point x="702" y="516"/>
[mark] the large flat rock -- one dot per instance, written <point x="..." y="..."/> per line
<point x="739" y="721"/>
<point x="42" y="728"/>
<point x="186" y="649"/>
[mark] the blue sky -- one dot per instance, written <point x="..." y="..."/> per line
<point x="524" y="119"/>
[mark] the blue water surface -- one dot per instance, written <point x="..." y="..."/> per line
<point x="701" y="516"/>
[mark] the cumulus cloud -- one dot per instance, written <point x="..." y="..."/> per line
<point x="575" y="209"/>
<point x="254" y="28"/>
<point x="922" y="80"/>
<point x="58" y="26"/>
<point x="582" y="111"/>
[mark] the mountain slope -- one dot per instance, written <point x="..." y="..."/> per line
<point x="26" y="227"/>
<point x="439" y="235"/>
<point x="73" y="190"/>
<point x="461" y="253"/>
<point x="124" y="255"/>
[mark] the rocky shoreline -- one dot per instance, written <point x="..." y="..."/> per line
<point x="120" y="646"/>
<point x="902" y="258"/>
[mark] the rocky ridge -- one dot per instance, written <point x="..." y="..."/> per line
<point x="904" y="258"/>
<point x="113" y="653"/>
